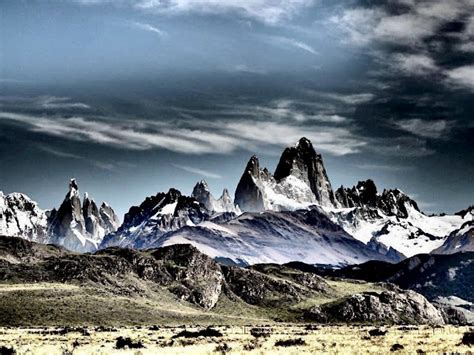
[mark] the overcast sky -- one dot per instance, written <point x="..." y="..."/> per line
<point x="135" y="97"/>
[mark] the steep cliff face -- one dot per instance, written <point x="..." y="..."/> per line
<point x="248" y="195"/>
<point x="303" y="163"/>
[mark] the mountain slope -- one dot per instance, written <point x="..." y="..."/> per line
<point x="121" y="284"/>
<point x="156" y="216"/>
<point x="273" y="237"/>
<point x="392" y="219"/>
<point x="460" y="240"/>
<point x="431" y="275"/>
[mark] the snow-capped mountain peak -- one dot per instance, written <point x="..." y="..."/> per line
<point x="80" y="226"/>
<point x="299" y="181"/>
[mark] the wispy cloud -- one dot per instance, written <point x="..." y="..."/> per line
<point x="462" y="76"/>
<point x="348" y="99"/>
<point x="94" y="162"/>
<point x="197" y="171"/>
<point x="217" y="137"/>
<point x="149" y="28"/>
<point x="55" y="102"/>
<point x="45" y="102"/>
<point x="291" y="42"/>
<point x="384" y="167"/>
<point x="242" y="68"/>
<point x="425" y="128"/>
<point x="267" y="11"/>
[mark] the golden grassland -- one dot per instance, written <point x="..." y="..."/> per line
<point x="31" y="314"/>
<point x="237" y="339"/>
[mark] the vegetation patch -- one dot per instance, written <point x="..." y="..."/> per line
<point x="468" y="338"/>
<point x="396" y="347"/>
<point x="291" y="342"/>
<point x="208" y="332"/>
<point x="261" y="332"/>
<point x="4" y="350"/>
<point x="223" y="348"/>
<point x="377" y="332"/>
<point x="124" y="343"/>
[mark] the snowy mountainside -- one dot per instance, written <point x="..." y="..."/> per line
<point x="416" y="233"/>
<point x="20" y="216"/>
<point x="80" y="226"/>
<point x="460" y="240"/>
<point x="155" y="216"/>
<point x="273" y="237"/>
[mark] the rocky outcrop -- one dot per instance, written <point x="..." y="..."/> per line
<point x="16" y="250"/>
<point x="387" y="307"/>
<point x="260" y="289"/>
<point x="200" y="278"/>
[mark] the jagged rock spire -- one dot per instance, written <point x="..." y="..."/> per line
<point x="80" y="225"/>
<point x="303" y="162"/>
<point x="204" y="196"/>
<point x="247" y="194"/>
<point x="364" y="194"/>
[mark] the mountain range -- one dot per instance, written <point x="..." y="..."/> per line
<point x="292" y="214"/>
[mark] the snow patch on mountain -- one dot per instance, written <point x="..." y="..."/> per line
<point x="20" y="216"/>
<point x="415" y="234"/>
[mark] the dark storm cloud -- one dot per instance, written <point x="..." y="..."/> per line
<point x="159" y="94"/>
<point x="422" y="55"/>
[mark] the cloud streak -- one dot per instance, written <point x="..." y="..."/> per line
<point x="217" y="137"/>
<point x="270" y="12"/>
<point x="292" y="43"/>
<point x="425" y="128"/>
<point x="197" y="171"/>
<point x="149" y="28"/>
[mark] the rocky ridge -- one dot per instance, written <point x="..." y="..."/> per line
<point x="199" y="280"/>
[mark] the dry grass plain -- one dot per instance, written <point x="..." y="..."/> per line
<point x="32" y="317"/>
<point x="237" y="339"/>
